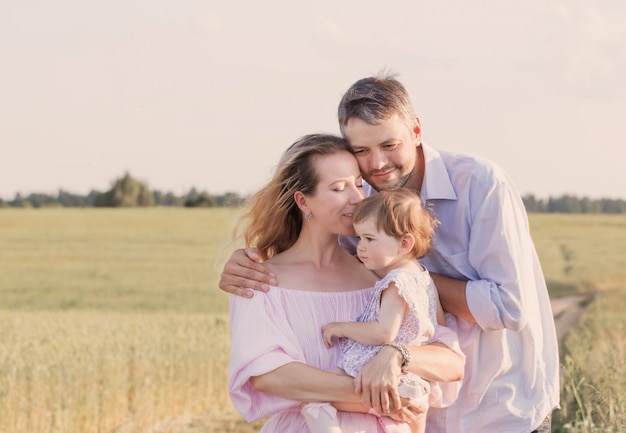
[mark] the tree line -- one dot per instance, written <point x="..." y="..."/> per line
<point x="127" y="191"/>
<point x="573" y="204"/>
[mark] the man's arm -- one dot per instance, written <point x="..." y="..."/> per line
<point x="452" y="296"/>
<point x="242" y="274"/>
<point x="378" y="380"/>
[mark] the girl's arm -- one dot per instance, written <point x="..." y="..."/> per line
<point x="393" y="308"/>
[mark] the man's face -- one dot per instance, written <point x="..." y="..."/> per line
<point x="386" y="153"/>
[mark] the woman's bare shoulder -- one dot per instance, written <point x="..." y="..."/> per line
<point x="346" y="273"/>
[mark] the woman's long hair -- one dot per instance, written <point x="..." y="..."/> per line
<point x="271" y="220"/>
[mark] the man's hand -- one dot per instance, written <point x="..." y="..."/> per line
<point x="409" y="413"/>
<point x="378" y="381"/>
<point x="242" y="273"/>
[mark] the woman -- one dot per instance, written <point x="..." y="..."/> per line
<point x="278" y="358"/>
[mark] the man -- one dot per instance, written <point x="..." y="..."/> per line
<point x="483" y="262"/>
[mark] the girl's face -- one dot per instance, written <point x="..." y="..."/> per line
<point x="338" y="192"/>
<point x="376" y="249"/>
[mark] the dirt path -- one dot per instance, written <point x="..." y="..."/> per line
<point x="567" y="311"/>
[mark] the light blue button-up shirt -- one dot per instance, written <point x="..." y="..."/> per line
<point x="511" y="378"/>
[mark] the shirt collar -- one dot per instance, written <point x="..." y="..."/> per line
<point x="436" y="184"/>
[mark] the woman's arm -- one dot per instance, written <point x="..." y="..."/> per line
<point x="301" y="382"/>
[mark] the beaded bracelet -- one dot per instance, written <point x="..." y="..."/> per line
<point x="406" y="354"/>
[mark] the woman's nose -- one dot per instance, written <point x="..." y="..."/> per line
<point x="357" y="195"/>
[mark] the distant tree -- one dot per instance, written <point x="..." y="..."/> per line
<point x="532" y="204"/>
<point x="166" y="199"/>
<point x="19" y="201"/>
<point x="126" y="192"/>
<point x="191" y="197"/>
<point x="196" y="199"/>
<point x="572" y="204"/>
<point x="613" y="206"/>
<point x="68" y="199"/>
<point x="42" y="200"/>
<point x="230" y="199"/>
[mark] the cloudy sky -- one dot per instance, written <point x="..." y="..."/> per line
<point x="208" y="93"/>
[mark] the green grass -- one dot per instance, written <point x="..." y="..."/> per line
<point x="163" y="259"/>
<point x="594" y="393"/>
<point x="580" y="252"/>
<point x="111" y="320"/>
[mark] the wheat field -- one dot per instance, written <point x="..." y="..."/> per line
<point x="110" y="319"/>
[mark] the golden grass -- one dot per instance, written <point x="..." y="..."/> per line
<point x="110" y="319"/>
<point x="102" y="371"/>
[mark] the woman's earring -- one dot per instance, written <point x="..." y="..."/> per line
<point x="308" y="216"/>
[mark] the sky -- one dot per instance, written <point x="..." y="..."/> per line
<point x="208" y="94"/>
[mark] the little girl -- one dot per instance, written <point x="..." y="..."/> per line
<point x="394" y="230"/>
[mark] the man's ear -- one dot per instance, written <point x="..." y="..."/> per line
<point x="417" y="127"/>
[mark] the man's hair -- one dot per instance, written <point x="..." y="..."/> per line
<point x="374" y="100"/>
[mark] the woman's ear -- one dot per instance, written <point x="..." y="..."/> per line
<point x="300" y="200"/>
<point x="407" y="242"/>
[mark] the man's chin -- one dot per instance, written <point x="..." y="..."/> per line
<point x="384" y="186"/>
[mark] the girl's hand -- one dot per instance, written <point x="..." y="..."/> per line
<point x="331" y="330"/>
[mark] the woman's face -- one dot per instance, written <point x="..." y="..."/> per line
<point x="337" y="193"/>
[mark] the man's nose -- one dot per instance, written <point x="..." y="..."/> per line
<point x="377" y="160"/>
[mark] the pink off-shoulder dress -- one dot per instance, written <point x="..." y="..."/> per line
<point x="283" y="326"/>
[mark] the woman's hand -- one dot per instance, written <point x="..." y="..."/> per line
<point x="242" y="274"/>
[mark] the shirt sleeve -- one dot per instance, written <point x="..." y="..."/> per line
<point x="503" y="254"/>
<point x="261" y="341"/>
<point x="443" y="394"/>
